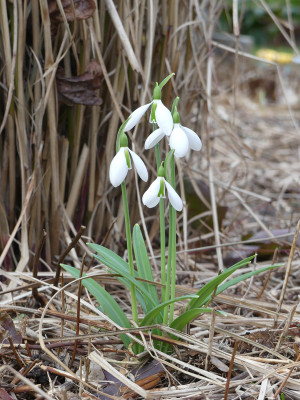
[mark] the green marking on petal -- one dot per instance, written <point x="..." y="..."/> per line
<point x="161" y="192"/>
<point x="126" y="152"/>
<point x="153" y="109"/>
<point x="123" y="140"/>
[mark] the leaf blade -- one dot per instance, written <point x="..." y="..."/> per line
<point x="210" y="286"/>
<point x="142" y="262"/>
<point x="107" y="302"/>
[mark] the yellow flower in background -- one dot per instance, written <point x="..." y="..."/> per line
<point x="279" y="57"/>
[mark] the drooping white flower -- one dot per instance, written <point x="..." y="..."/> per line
<point x="181" y="138"/>
<point x="121" y="163"/>
<point x="157" y="191"/>
<point x="159" y="114"/>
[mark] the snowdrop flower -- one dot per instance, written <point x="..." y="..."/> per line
<point x="181" y="138"/>
<point x="159" y="114"/>
<point x="157" y="190"/>
<point x="121" y="163"/>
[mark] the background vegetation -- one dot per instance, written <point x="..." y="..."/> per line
<point x="70" y="73"/>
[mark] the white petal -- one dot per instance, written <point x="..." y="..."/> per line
<point x="179" y="141"/>
<point x="153" y="202"/>
<point x="175" y="200"/>
<point x="150" y="197"/>
<point x="139" y="166"/>
<point x="164" y="117"/>
<point x="194" y="140"/>
<point x="118" y="168"/>
<point x="136" y="116"/>
<point x="154" y="138"/>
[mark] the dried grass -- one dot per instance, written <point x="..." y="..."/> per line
<point x="54" y="161"/>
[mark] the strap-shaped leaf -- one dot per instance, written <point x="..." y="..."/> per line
<point x="180" y="322"/>
<point x="112" y="260"/>
<point x="241" y="278"/>
<point x="210" y="286"/>
<point x="109" y="256"/>
<point x="106" y="301"/>
<point x="143" y="264"/>
<point x="147" y="320"/>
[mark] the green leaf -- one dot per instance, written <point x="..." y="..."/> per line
<point x="106" y="301"/>
<point x="147" y="320"/>
<point x="143" y="265"/>
<point x="108" y="257"/>
<point x="113" y="261"/>
<point x="163" y="82"/>
<point x="241" y="278"/>
<point x="180" y="322"/>
<point x="210" y="286"/>
<point x="139" y="295"/>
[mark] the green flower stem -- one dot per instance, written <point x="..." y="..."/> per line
<point x="171" y="269"/>
<point x="129" y="250"/>
<point x="157" y="156"/>
<point x="167" y="291"/>
<point x="162" y="249"/>
<point x="173" y="246"/>
<point x="162" y="231"/>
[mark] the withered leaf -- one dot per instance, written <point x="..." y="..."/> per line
<point x="7" y="328"/>
<point x="147" y="376"/>
<point x="4" y="395"/>
<point x="81" y="89"/>
<point x="76" y="9"/>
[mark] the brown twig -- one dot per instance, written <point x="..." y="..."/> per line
<point x="64" y="254"/>
<point x="18" y="359"/>
<point x="40" y="299"/>
<point x="269" y="274"/>
<point x="288" y="269"/>
<point x="24" y="372"/>
<point x="230" y="369"/>
<point x="78" y="313"/>
<point x="285" y="379"/>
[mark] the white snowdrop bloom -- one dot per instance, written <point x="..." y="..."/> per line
<point x="159" y="114"/>
<point x="154" y="138"/>
<point x="157" y="190"/>
<point x="121" y="163"/>
<point x="182" y="138"/>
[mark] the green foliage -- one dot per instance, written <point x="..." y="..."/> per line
<point x="147" y="293"/>
<point x="119" y="266"/>
<point x="180" y="322"/>
<point x="204" y="294"/>
<point x="256" y="20"/>
<point x="148" y="319"/>
<point x="143" y="266"/>
<point x="105" y="300"/>
<point x="210" y="286"/>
